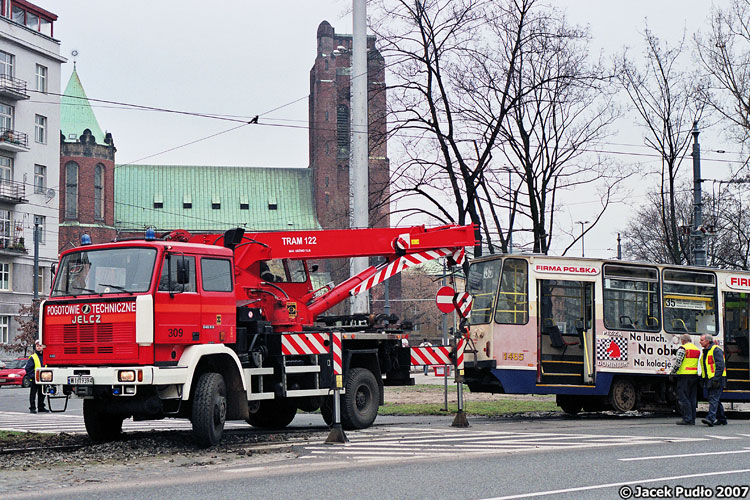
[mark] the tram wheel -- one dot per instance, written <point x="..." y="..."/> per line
<point x="569" y="404"/>
<point x="624" y="395"/>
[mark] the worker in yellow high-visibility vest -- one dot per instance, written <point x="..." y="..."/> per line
<point x="685" y="366"/>
<point x="714" y="376"/>
<point x="36" y="396"/>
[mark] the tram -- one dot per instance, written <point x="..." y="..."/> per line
<point x="600" y="334"/>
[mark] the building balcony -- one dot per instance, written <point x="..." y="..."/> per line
<point x="12" y="88"/>
<point x="13" y="140"/>
<point x="12" y="192"/>
<point x="12" y="246"/>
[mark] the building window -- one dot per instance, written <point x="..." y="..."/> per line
<point x="71" y="190"/>
<point x="215" y="206"/>
<point x="41" y="78"/>
<point x="40" y="281"/>
<point x="4" y="329"/>
<point x="6" y="170"/>
<point x="40" y="129"/>
<point x="244" y="206"/>
<point x="6" y="118"/>
<point x="42" y="222"/>
<point x="342" y="130"/>
<point x="19" y="15"/>
<point x="6" y="64"/>
<point x="99" y="192"/>
<point x="187" y="204"/>
<point x="4" y="275"/>
<point x="40" y="179"/>
<point x="32" y="21"/>
<point x="6" y="229"/>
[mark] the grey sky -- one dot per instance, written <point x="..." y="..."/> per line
<point x="246" y="58"/>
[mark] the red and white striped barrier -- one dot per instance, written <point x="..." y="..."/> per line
<point x="388" y="270"/>
<point x="440" y="355"/>
<point x="460" y="354"/>
<point x="304" y="343"/>
<point x="337" y="365"/>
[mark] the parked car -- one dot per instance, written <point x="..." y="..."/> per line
<point x="14" y="373"/>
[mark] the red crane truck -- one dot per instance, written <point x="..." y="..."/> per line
<point x="216" y="327"/>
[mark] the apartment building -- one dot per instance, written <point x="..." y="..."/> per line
<point x="29" y="155"/>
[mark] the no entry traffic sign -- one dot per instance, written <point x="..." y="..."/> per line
<point x="444" y="299"/>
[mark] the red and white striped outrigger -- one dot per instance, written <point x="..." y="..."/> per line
<point x="390" y="269"/>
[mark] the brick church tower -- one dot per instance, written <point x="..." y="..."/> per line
<point x="87" y="168"/>
<point x="330" y="142"/>
<point x="329" y="130"/>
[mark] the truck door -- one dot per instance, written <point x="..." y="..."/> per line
<point x="566" y="332"/>
<point x="177" y="307"/>
<point x="218" y="317"/>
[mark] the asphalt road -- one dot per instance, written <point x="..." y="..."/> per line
<point x="590" y="457"/>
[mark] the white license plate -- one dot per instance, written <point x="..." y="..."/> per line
<point x="81" y="380"/>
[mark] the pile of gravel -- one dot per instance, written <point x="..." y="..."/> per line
<point x="31" y="451"/>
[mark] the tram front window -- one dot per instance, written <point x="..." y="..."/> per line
<point x="689" y="302"/>
<point x="482" y="285"/>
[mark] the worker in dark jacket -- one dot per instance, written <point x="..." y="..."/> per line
<point x="713" y="376"/>
<point x="685" y="366"/>
<point x="36" y="394"/>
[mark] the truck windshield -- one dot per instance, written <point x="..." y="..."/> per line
<point x="120" y="270"/>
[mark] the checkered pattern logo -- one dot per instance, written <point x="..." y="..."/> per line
<point x="614" y="348"/>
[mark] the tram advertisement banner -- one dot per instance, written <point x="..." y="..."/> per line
<point x="638" y="351"/>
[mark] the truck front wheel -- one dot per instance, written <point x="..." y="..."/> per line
<point x="359" y="405"/>
<point x="100" y="426"/>
<point x="209" y="409"/>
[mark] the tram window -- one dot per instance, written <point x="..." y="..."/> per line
<point x="689" y="302"/>
<point x="513" y="300"/>
<point x="631" y="298"/>
<point x="482" y="285"/>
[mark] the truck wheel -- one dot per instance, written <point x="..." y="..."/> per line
<point x="569" y="404"/>
<point x="359" y="405"/>
<point x="209" y="409"/>
<point x="624" y="396"/>
<point x="99" y="425"/>
<point x="272" y="414"/>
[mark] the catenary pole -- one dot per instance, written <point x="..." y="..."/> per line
<point x="358" y="171"/>
<point x="699" y="252"/>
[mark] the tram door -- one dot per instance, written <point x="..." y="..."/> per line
<point x="566" y="332"/>
<point x="736" y="313"/>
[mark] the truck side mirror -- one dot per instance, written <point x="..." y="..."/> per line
<point x="183" y="271"/>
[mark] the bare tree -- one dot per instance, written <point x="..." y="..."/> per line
<point x="470" y="78"/>
<point x="433" y="45"/>
<point x="724" y="53"/>
<point x="665" y="98"/>
<point x="561" y="107"/>
<point x="28" y="328"/>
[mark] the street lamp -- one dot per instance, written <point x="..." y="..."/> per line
<point x="582" y="223"/>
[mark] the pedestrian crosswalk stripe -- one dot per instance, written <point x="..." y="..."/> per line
<point x="398" y="442"/>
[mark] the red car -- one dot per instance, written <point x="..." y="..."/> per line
<point x="14" y="373"/>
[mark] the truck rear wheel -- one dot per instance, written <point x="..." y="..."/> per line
<point x="359" y="405"/>
<point x="326" y="410"/>
<point x="272" y="414"/>
<point x="99" y="425"/>
<point x="209" y="409"/>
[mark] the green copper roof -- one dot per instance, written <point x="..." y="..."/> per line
<point x="218" y="198"/>
<point x="76" y="114"/>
